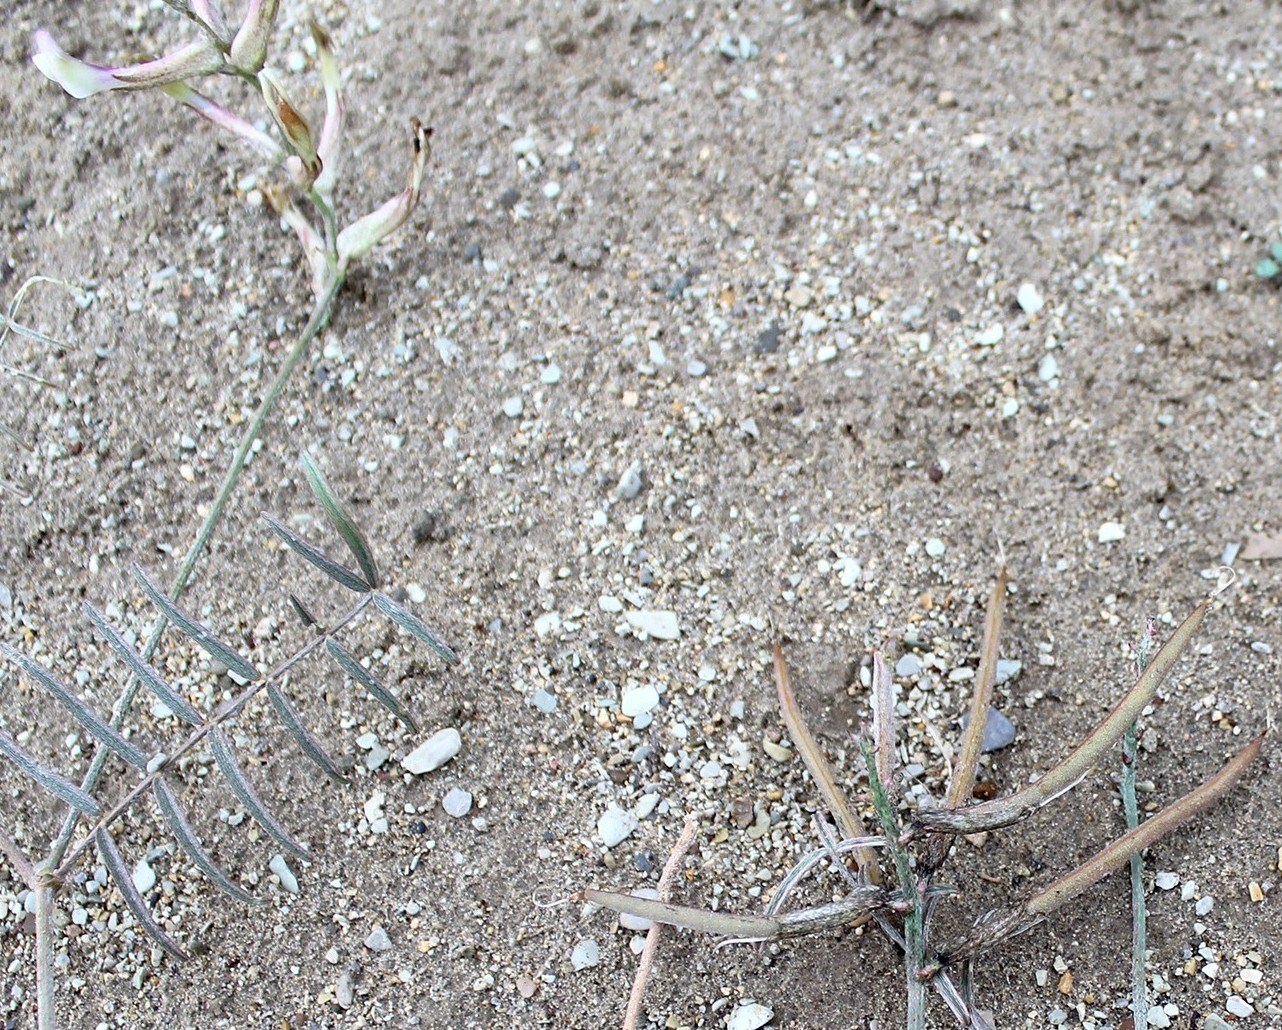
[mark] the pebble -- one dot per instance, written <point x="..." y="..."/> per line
<point x="552" y="190"/>
<point x="344" y="994"/>
<point x="696" y="369"/>
<point x="1111" y="532"/>
<point x="908" y="666"/>
<point x="513" y="407"/>
<point x="1048" y="370"/>
<point x="767" y="341"/>
<point x="543" y="701"/>
<point x="586" y="954"/>
<point x="616" y="825"/>
<point x="1166" y="881"/>
<point x="1007" y="669"/>
<point x="778" y="752"/>
<point x="639" y="700"/>
<point x="1204" y="905"/>
<point x="378" y="940"/>
<point x="1238" y="1007"/>
<point x="434" y="752"/>
<point x="1157" y="1018"/>
<point x="991" y="336"/>
<point x="1029" y="298"/>
<point x="1057" y="1017"/>
<point x="551" y="375"/>
<point x="999" y="731"/>
<point x="457" y="802"/>
<point x="662" y="625"/>
<point x="1213" y="1022"/>
<point x="630" y="482"/>
<point x="284" y="874"/>
<point x="748" y="1015"/>
<point x="144" y="876"/>
<point x="639" y="923"/>
<point x="935" y="547"/>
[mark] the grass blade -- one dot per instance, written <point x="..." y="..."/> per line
<point x="55" y="783"/>
<point x="369" y="681"/>
<point x="342" y="522"/>
<point x="338" y="573"/>
<point x="1002" y="812"/>
<point x="115" y="864"/>
<point x="407" y="620"/>
<point x="817" y="765"/>
<point x="170" y="698"/>
<point x="177" y="822"/>
<point x="84" y="715"/>
<point x="223" y="755"/>
<point x="724" y="923"/>
<point x="306" y="739"/>
<point x="198" y="632"/>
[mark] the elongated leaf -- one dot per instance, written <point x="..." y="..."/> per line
<point x="53" y="782"/>
<point x="342" y="522"/>
<point x="177" y="822"/>
<point x="240" y="786"/>
<point x="307" y="740"/>
<point x="339" y="573"/>
<point x="198" y="632"/>
<point x="115" y="863"/>
<point x="172" y="700"/>
<point x="369" y="681"/>
<point x="725" y="923"/>
<point x="300" y="609"/>
<point x="407" y="620"/>
<point x="84" y="715"/>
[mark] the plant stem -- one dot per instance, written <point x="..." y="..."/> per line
<point x="46" y="1014"/>
<point x="1139" y="910"/>
<point x="319" y="319"/>
<point x="914" y="918"/>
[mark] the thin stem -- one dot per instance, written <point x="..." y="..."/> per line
<point x="644" y="967"/>
<point x="964" y="769"/>
<point x="18" y="859"/>
<point x="817" y="765"/>
<point x="1139" y="909"/>
<point x="46" y="1013"/>
<point x="225" y="714"/>
<point x="914" y="918"/>
<point x="319" y="319"/>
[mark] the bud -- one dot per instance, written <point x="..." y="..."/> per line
<point x="249" y="48"/>
<point x="328" y="147"/>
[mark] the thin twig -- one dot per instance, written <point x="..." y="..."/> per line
<point x="964" y="769"/>
<point x="883" y="720"/>
<point x="851" y="825"/>
<point x="18" y="859"/>
<point x="646" y="965"/>
<point x="318" y="320"/>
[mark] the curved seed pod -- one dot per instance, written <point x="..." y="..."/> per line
<point x="169" y="697"/>
<point x="342" y="522"/>
<point x="177" y="822"/>
<point x="198" y="632"/>
<point x="369" y="681"/>
<point x="221" y="748"/>
<point x="115" y="864"/>
<point x="1002" y="812"/>
<point x="407" y="620"/>
<point x="340" y="574"/>
<point x="84" y="715"/>
<point x="57" y="784"/>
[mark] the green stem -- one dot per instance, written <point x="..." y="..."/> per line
<point x="46" y="1013"/>
<point x="914" y="918"/>
<point x="319" y="319"/>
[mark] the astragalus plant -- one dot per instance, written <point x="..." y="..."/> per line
<point x="901" y="894"/>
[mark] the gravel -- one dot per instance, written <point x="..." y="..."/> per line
<point x="433" y="752"/>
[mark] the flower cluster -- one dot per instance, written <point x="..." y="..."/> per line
<point x="311" y="159"/>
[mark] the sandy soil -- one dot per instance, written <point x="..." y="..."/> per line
<point x="782" y="284"/>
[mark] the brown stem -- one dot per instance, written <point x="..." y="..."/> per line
<point x="964" y="769"/>
<point x="817" y="765"/>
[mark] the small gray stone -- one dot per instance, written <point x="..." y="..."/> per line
<point x="144" y="876"/>
<point x="1007" y="669"/>
<point x="457" y="802"/>
<point x="1213" y="1022"/>
<point x="909" y="665"/>
<point x="513" y="407"/>
<point x="280" y="867"/>
<point x="543" y="701"/>
<point x="639" y="700"/>
<point x="630" y="482"/>
<point x="378" y="940"/>
<point x="343" y="992"/>
<point x="999" y="731"/>
<point x="639" y="923"/>
<point x="1029" y="298"/>
<point x="433" y="752"/>
<point x="662" y="625"/>
<point x="748" y="1015"/>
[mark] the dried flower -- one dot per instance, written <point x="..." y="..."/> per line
<point x="81" y="79"/>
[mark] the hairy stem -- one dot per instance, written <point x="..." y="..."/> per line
<point x="46" y="1014"/>
<point x="319" y="319"/>
<point x="224" y="714"/>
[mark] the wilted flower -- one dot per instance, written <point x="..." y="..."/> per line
<point x="81" y="79"/>
<point x="356" y="240"/>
